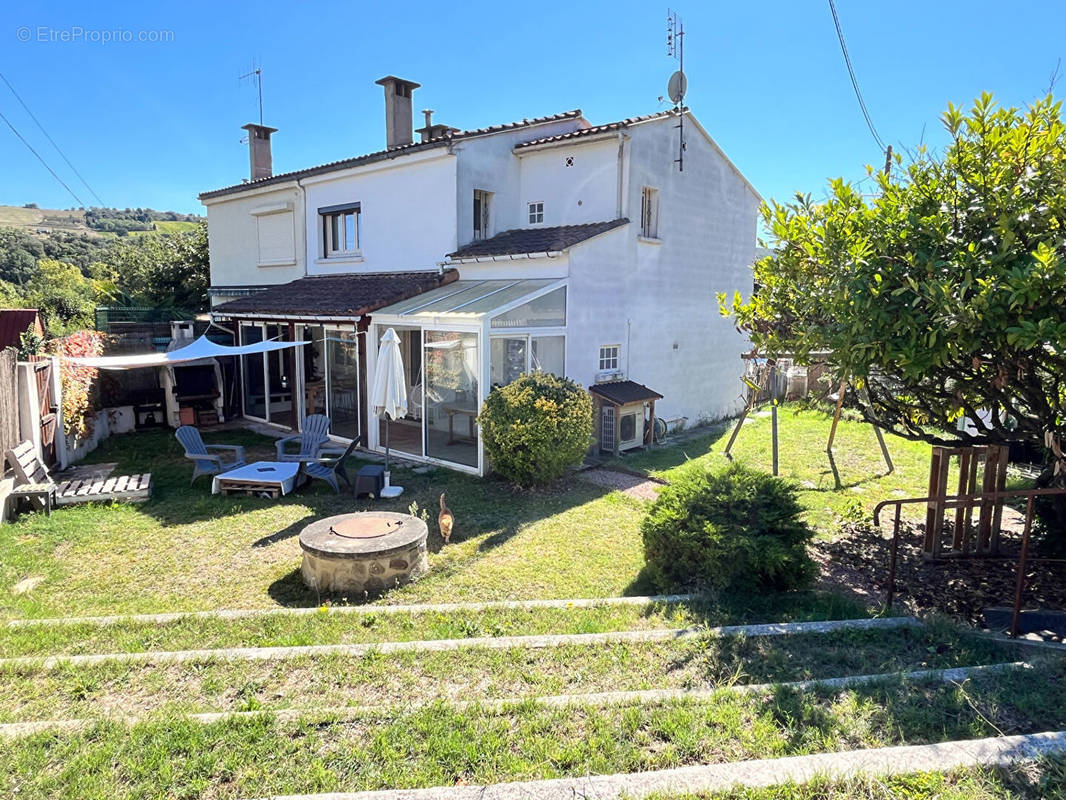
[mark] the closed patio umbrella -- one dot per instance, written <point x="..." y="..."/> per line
<point x="388" y="399"/>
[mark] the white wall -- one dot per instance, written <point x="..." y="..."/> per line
<point x="675" y="341"/>
<point x="407" y="213"/>
<point x="587" y="191"/>
<point x="233" y="237"/>
<point x="488" y="163"/>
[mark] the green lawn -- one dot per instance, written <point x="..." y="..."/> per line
<point x="188" y="550"/>
<point x="442" y="745"/>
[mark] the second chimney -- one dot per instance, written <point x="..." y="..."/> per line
<point x="398" y="115"/>
<point x="262" y="164"/>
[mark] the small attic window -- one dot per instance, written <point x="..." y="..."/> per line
<point x="536" y="213"/>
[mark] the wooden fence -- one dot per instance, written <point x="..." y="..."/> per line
<point x="9" y="402"/>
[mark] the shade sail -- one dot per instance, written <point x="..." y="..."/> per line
<point x="200" y="349"/>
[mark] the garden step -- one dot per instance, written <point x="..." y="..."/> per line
<point x="13" y="730"/>
<point x="988" y="752"/>
<point x="488" y="642"/>
<point x="348" y="625"/>
<point x="412" y="608"/>
<point x="442" y="745"/>
<point x="395" y="679"/>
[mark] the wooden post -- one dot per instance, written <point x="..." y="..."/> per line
<point x="971" y="489"/>
<point x="836" y="414"/>
<point x="743" y="416"/>
<point x="773" y="414"/>
<point x="965" y="454"/>
<point x="988" y="485"/>
<point x="1001" y="486"/>
<point x="934" y="515"/>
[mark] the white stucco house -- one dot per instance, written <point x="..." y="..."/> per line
<point x="549" y="243"/>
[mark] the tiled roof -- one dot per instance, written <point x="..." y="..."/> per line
<point x="595" y="129"/>
<point x="14" y="322"/>
<point x="382" y="155"/>
<point x="623" y="392"/>
<point x="338" y="296"/>
<point x="535" y="240"/>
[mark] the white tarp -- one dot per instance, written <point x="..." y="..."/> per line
<point x="200" y="349"/>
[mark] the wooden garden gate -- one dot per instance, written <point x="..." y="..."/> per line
<point x="42" y="371"/>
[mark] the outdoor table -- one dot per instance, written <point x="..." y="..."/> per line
<point x="469" y="413"/>
<point x="264" y="478"/>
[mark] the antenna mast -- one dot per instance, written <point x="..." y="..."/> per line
<point x="675" y="48"/>
<point x="257" y="75"/>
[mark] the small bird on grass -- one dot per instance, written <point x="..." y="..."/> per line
<point x="445" y="520"/>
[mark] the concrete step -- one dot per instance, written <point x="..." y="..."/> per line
<point x="430" y="645"/>
<point x="15" y="730"/>
<point x="989" y="752"/>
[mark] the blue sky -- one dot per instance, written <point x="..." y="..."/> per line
<point x="154" y="124"/>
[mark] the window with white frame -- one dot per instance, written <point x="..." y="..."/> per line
<point x="482" y="209"/>
<point x="649" y="213"/>
<point x="609" y="357"/>
<point x="340" y="230"/>
<point x="536" y="213"/>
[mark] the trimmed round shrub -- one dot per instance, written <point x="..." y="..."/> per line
<point x="733" y="529"/>
<point x="536" y="427"/>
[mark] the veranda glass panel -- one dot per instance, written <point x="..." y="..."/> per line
<point x="450" y="364"/>
<point x="314" y="361"/>
<point x="549" y="355"/>
<point x="281" y="381"/>
<point x="252" y="374"/>
<point x="342" y="351"/>
<point x="508" y="359"/>
<point x="546" y="311"/>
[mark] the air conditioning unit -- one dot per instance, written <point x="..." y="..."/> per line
<point x="609" y="375"/>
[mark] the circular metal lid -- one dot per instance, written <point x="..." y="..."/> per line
<point x="364" y="526"/>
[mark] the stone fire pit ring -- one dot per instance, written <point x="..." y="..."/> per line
<point x="363" y="553"/>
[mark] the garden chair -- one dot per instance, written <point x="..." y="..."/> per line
<point x="206" y="462"/>
<point x="329" y="465"/>
<point x="315" y="433"/>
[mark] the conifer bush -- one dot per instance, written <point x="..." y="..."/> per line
<point x="733" y="529"/>
<point x="536" y="427"/>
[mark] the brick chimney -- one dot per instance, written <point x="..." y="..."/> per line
<point x="262" y="165"/>
<point x="398" y="116"/>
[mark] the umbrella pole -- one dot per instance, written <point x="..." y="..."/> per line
<point x="387" y="426"/>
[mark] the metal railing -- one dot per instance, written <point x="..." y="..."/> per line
<point x="966" y="501"/>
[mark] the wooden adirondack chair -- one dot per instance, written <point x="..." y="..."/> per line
<point x="206" y="462"/>
<point x="36" y="483"/>
<point x="314" y="435"/>
<point x="329" y="465"/>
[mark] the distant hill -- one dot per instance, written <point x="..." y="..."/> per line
<point x="102" y="222"/>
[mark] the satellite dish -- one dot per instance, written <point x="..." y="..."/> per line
<point x="677" y="87"/>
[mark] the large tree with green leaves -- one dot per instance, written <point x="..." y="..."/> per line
<point x="943" y="293"/>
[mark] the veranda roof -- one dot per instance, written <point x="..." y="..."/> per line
<point x="202" y="348"/>
<point x="467" y="300"/>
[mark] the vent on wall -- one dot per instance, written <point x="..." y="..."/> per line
<point x="569" y="161"/>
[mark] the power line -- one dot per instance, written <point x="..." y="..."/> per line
<point x="854" y="81"/>
<point x="29" y="146"/>
<point x="50" y="139"/>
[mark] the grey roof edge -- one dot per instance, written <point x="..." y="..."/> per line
<point x="610" y="225"/>
<point x="387" y="154"/>
<point x="607" y="127"/>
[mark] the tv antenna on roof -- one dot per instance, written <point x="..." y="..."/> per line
<point x="256" y="74"/>
<point x="678" y="84"/>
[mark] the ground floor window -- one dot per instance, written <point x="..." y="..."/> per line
<point x="342" y="378"/>
<point x="513" y="355"/>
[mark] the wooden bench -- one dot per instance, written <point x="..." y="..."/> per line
<point x="37" y="485"/>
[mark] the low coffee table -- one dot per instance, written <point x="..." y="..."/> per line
<point x="263" y="479"/>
